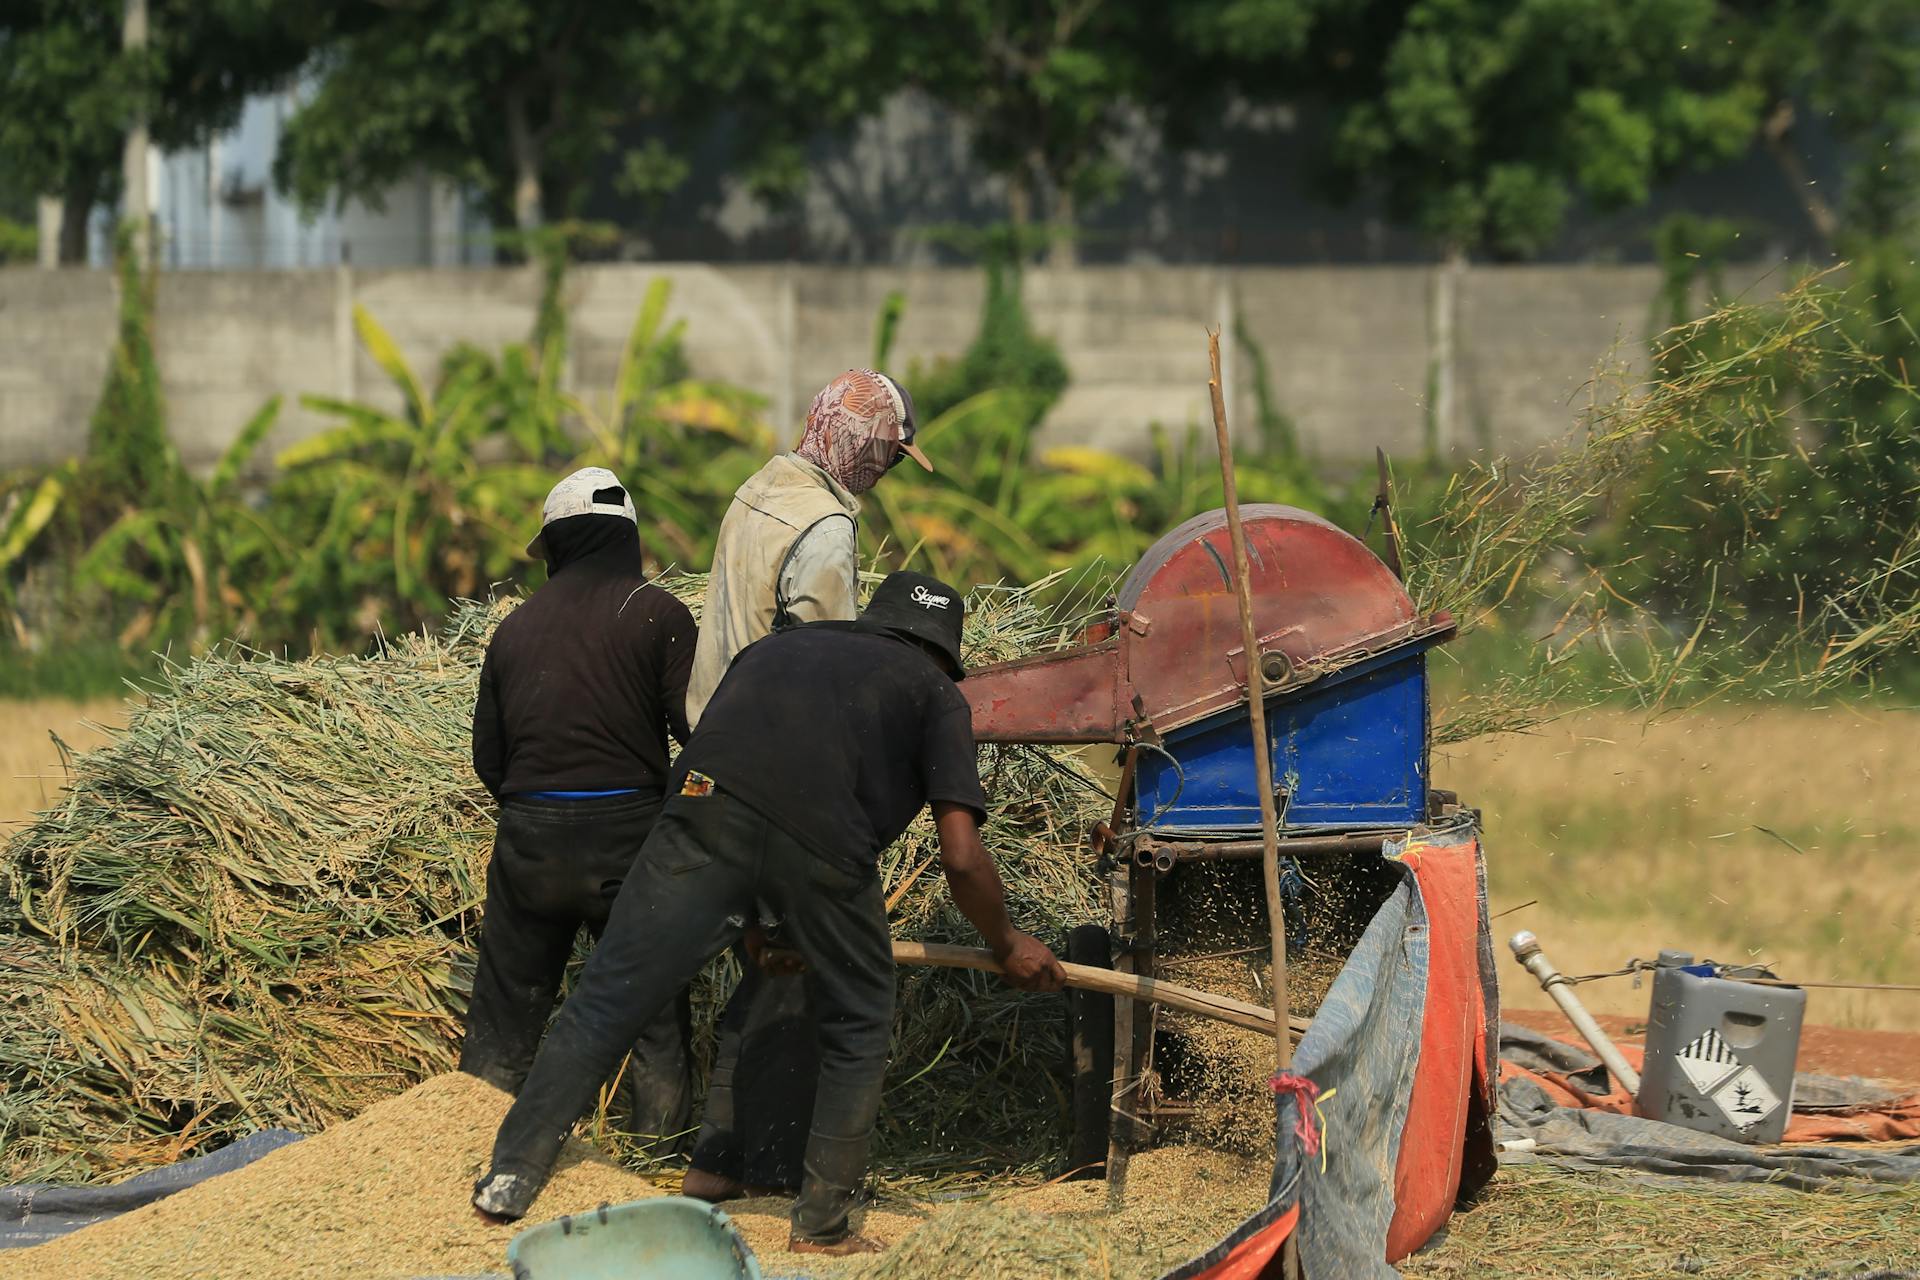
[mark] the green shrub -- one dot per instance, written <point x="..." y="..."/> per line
<point x="18" y="242"/>
<point x="1798" y="474"/>
<point x="127" y="440"/>
<point x="1006" y="354"/>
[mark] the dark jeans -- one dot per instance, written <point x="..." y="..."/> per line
<point x="760" y="1099"/>
<point x="558" y="866"/>
<point x="708" y="860"/>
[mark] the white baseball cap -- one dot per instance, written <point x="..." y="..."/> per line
<point x="590" y="491"/>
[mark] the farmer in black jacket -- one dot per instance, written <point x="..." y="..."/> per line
<point x="821" y="744"/>
<point x="580" y="688"/>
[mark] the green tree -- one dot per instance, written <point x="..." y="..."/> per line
<point x="68" y="101"/>
<point x="1045" y="88"/>
<point x="507" y="95"/>
<point x="70" y="91"/>
<point x="1855" y="64"/>
<point x="1483" y="122"/>
<point x="524" y="100"/>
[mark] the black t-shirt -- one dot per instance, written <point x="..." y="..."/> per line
<point x="583" y="683"/>
<point x="839" y="736"/>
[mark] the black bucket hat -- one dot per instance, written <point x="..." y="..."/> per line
<point x="924" y="608"/>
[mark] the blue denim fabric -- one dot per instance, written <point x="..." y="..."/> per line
<point x="1363" y="1047"/>
<point x="1363" y="1043"/>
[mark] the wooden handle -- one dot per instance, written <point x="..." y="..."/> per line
<point x="1254" y="1017"/>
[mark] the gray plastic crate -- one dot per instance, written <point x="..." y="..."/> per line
<point x="1720" y="1054"/>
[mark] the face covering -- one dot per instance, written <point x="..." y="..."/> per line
<point x="853" y="429"/>
<point x="576" y="538"/>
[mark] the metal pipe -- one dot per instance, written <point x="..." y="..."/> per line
<point x="1162" y="854"/>
<point x="1526" y="949"/>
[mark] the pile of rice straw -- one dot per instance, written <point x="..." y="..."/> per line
<point x="258" y="906"/>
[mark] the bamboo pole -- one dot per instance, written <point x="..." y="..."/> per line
<point x="939" y="955"/>
<point x="1256" y="709"/>
<point x="1262" y="753"/>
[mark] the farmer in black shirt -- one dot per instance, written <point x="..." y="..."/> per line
<point x="580" y="688"/>
<point x="820" y="746"/>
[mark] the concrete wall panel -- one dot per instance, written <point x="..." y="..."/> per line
<point x="56" y="329"/>
<point x="227" y="340"/>
<point x="1348" y="348"/>
<point x="1530" y="339"/>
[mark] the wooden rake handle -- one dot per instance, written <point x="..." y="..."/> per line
<point x="1088" y="978"/>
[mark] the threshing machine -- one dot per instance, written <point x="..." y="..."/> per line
<point x="1166" y="678"/>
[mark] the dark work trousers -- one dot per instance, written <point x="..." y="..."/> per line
<point x="708" y="860"/>
<point x="760" y="1098"/>
<point x="558" y="865"/>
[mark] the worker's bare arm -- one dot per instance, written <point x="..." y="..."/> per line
<point x="975" y="884"/>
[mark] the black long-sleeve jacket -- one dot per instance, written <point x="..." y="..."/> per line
<point x="584" y="682"/>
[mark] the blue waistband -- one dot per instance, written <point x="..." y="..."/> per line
<point x="572" y="795"/>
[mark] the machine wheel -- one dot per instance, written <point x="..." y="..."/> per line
<point x="1090" y="1056"/>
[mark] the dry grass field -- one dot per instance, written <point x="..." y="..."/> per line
<point x="30" y="772"/>
<point x="1787" y="835"/>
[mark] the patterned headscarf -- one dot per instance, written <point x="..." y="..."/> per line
<point x="859" y="426"/>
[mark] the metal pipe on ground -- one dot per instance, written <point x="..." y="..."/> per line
<point x="1526" y="949"/>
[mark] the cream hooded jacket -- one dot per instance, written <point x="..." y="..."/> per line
<point x="787" y="539"/>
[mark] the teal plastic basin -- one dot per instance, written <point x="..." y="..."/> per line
<point x="664" y="1238"/>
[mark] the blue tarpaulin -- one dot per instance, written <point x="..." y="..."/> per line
<point x="38" y="1212"/>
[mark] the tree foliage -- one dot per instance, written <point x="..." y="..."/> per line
<point x="1855" y="66"/>
<point x="70" y="90"/>
<point x="525" y="100"/>
<point x="511" y="97"/>
<point x="1483" y="123"/>
<point x="1045" y="89"/>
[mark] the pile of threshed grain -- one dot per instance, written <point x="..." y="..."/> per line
<point x="386" y="1195"/>
<point x="258" y="906"/>
<point x="1180" y="1202"/>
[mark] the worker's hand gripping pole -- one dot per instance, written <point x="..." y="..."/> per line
<point x="1262" y="752"/>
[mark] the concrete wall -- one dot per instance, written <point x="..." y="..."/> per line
<point x="1350" y="349"/>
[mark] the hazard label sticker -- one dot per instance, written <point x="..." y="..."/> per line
<point x="1747" y="1098"/>
<point x="1708" y="1060"/>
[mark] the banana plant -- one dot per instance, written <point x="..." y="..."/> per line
<point x="191" y="562"/>
<point x="964" y="518"/>
<point x="681" y="445"/>
<point x="28" y="503"/>
<point x="996" y="507"/>
<point x="405" y="509"/>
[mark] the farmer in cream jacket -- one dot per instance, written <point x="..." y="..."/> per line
<point x="786" y="554"/>
<point x="787" y="551"/>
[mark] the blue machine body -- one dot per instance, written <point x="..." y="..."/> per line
<point x="1350" y="750"/>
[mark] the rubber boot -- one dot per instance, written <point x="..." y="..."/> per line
<point x="836" y="1162"/>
